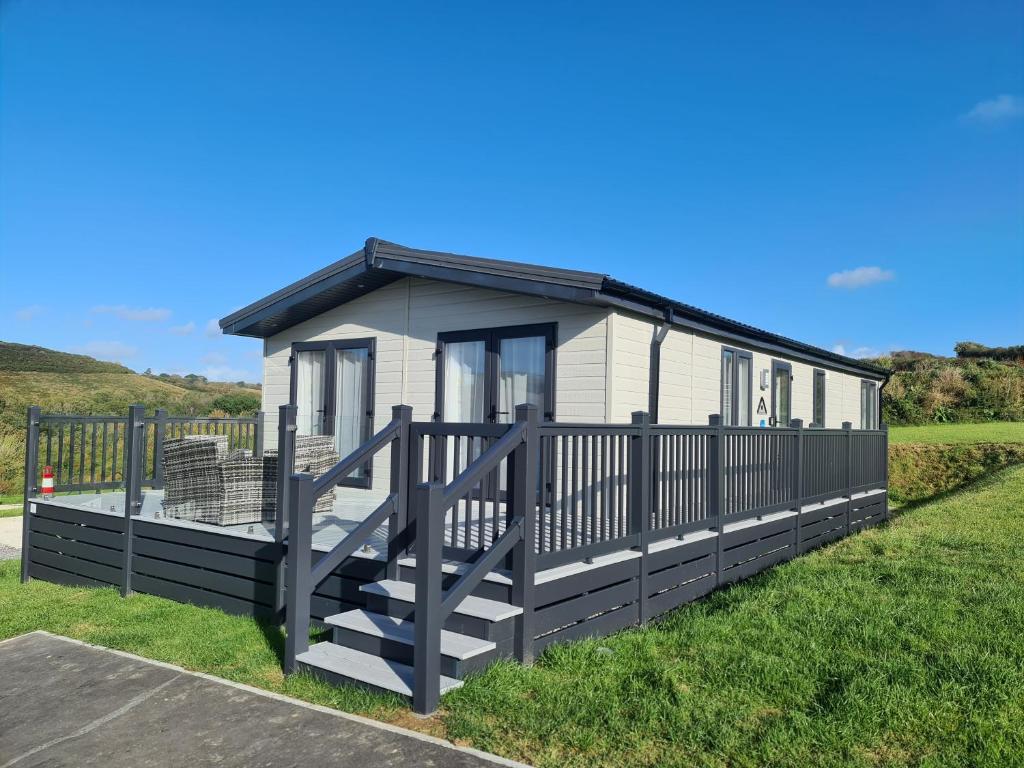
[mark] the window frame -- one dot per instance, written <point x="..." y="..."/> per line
<point x="330" y="347"/>
<point x="734" y="415"/>
<point x="492" y="338"/>
<point x="872" y="386"/>
<point x="819" y="373"/>
<point x="780" y="365"/>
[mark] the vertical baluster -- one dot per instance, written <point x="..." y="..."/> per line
<point x="565" y="493"/>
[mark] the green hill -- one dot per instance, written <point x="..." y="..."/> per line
<point x="59" y="382"/>
<point x="979" y="384"/>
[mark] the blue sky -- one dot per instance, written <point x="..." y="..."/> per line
<point x="852" y="176"/>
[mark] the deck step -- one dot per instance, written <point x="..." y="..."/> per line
<point x="474" y="607"/>
<point x="453" y="644"/>
<point x="337" y="664"/>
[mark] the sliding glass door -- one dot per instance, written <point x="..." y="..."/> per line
<point x="332" y="388"/>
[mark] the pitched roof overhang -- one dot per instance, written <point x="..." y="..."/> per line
<point x="380" y="263"/>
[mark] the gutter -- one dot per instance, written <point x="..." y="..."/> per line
<point x="654" y="371"/>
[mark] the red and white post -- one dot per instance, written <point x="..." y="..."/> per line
<point x="47" y="487"/>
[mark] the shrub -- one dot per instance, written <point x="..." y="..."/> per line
<point x="239" y="403"/>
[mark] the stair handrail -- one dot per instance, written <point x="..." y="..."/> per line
<point x="520" y="445"/>
<point x="301" y="578"/>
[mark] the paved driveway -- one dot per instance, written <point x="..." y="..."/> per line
<point x="64" y="703"/>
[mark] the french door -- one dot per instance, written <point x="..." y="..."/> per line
<point x="332" y="387"/>
<point x="483" y="375"/>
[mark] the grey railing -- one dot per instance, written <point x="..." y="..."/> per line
<point x="302" y="578"/>
<point x="90" y="453"/>
<point x="517" y="450"/>
<point x="441" y="452"/>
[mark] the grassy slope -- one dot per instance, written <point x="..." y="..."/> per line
<point x="951" y="434"/>
<point x="899" y="646"/>
<point x="62" y="383"/>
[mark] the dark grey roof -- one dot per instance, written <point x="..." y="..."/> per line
<point x="380" y="263"/>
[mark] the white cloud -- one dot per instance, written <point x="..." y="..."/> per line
<point x="1002" y="107"/>
<point x="859" y="277"/>
<point x="227" y="373"/>
<point x="212" y="329"/>
<point x="183" y="330"/>
<point x="29" y="313"/>
<point x="860" y="353"/>
<point x="108" y="350"/>
<point x="137" y="314"/>
<point x="213" y="358"/>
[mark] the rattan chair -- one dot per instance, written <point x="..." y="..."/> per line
<point x="206" y="483"/>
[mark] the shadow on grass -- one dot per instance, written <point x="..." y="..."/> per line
<point x="972" y="483"/>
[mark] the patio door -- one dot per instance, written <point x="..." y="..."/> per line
<point x="483" y="375"/>
<point x="332" y="387"/>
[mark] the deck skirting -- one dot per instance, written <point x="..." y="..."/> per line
<point x="76" y="546"/>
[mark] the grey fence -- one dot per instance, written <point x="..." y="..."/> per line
<point x="527" y="497"/>
<point x="88" y="453"/>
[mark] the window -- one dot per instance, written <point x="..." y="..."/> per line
<point x="737" y="383"/>
<point x="868" y="405"/>
<point x="818" y="415"/>
<point x="332" y="388"/>
<point x="782" y="394"/>
<point x="483" y="375"/>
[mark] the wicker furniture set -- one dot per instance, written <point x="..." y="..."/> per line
<point x="205" y="482"/>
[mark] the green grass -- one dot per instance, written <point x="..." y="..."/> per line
<point x="10" y="512"/>
<point x="991" y="432"/>
<point x="901" y="646"/>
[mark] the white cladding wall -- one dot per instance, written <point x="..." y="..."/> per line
<point x="690" y="377"/>
<point x="405" y="319"/>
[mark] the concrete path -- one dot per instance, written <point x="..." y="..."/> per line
<point x="65" y="703"/>
<point x="10" y="537"/>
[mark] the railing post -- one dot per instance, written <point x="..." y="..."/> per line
<point x="848" y="429"/>
<point x="399" y="487"/>
<point x="885" y="458"/>
<point x="716" y="482"/>
<point x="258" y="431"/>
<point x="798" y="479"/>
<point x="427" y="650"/>
<point x="31" y="475"/>
<point x="159" y="432"/>
<point x="640" y="471"/>
<point x="135" y="461"/>
<point x="287" y="415"/>
<point x="300" y="547"/>
<point x="523" y="464"/>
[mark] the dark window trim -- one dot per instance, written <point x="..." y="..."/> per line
<point x="492" y="339"/>
<point x="873" y="386"/>
<point x="824" y="396"/>
<point x="780" y="365"/>
<point x="329" y="346"/>
<point x="737" y="354"/>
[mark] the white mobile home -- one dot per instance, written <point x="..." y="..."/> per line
<point x="464" y="339"/>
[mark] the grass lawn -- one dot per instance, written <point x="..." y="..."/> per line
<point x="899" y="646"/>
<point x="991" y="432"/>
<point x="14" y="512"/>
